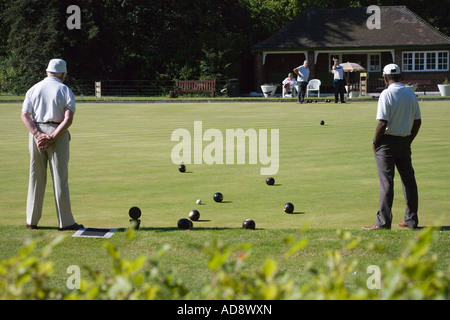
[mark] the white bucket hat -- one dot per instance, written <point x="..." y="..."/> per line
<point x="391" y="68"/>
<point x="57" y="66"/>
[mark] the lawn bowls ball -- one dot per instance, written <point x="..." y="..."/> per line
<point x="270" y="181"/>
<point x="288" y="207"/>
<point x="184" y="223"/>
<point x="218" y="197"/>
<point x="182" y="168"/>
<point x="194" y="215"/>
<point x="199" y="202"/>
<point x="249" y="224"/>
<point x="134" y="213"/>
<point x="322" y="123"/>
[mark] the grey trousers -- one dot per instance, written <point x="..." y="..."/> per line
<point x="302" y="91"/>
<point x="393" y="152"/>
<point x="57" y="156"/>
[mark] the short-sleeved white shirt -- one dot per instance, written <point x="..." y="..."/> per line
<point x="303" y="73"/>
<point x="292" y="82"/>
<point x="338" y="73"/>
<point x="48" y="99"/>
<point x="398" y="106"/>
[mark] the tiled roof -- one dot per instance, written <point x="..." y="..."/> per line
<point x="340" y="28"/>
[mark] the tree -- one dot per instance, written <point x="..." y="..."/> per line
<point x="141" y="39"/>
<point x="32" y="40"/>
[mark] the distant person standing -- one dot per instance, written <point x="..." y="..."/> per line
<point x="302" y="80"/>
<point x="47" y="113"/>
<point x="338" y="81"/>
<point x="399" y="121"/>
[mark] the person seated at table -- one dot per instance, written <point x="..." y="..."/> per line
<point x="289" y="85"/>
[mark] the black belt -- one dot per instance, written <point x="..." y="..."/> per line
<point x="390" y="135"/>
<point x="50" y="122"/>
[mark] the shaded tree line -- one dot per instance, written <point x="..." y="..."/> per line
<point x="152" y="40"/>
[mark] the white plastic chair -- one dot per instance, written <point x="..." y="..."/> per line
<point x="313" y="85"/>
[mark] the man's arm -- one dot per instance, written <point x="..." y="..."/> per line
<point x="47" y="141"/>
<point x="335" y="64"/>
<point x="67" y="122"/>
<point x="31" y="126"/>
<point x="415" y="128"/>
<point x="379" y="132"/>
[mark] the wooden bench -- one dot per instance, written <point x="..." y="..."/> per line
<point x="420" y="84"/>
<point x="195" y="86"/>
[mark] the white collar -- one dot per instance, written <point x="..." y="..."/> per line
<point x="54" y="78"/>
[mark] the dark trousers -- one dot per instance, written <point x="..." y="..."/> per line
<point x="302" y="91"/>
<point x="395" y="152"/>
<point x="339" y="89"/>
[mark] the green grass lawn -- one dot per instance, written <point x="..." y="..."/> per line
<point x="121" y="157"/>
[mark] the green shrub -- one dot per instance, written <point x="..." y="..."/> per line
<point x="412" y="276"/>
<point x="25" y="275"/>
<point x="141" y="279"/>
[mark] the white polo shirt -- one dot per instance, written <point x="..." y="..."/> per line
<point x="399" y="106"/>
<point x="303" y="74"/>
<point x="47" y="100"/>
<point x="338" y="73"/>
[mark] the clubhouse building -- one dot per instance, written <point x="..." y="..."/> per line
<point x="371" y="39"/>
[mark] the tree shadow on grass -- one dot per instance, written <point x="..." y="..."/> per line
<point x="47" y="228"/>
<point x="195" y="228"/>
<point x="164" y="229"/>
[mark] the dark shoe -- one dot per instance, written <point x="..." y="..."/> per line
<point x="29" y="226"/>
<point x="75" y="226"/>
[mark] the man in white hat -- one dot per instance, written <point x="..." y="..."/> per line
<point x="399" y="121"/>
<point x="47" y="113"/>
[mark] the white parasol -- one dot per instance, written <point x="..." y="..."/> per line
<point x="351" y="67"/>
